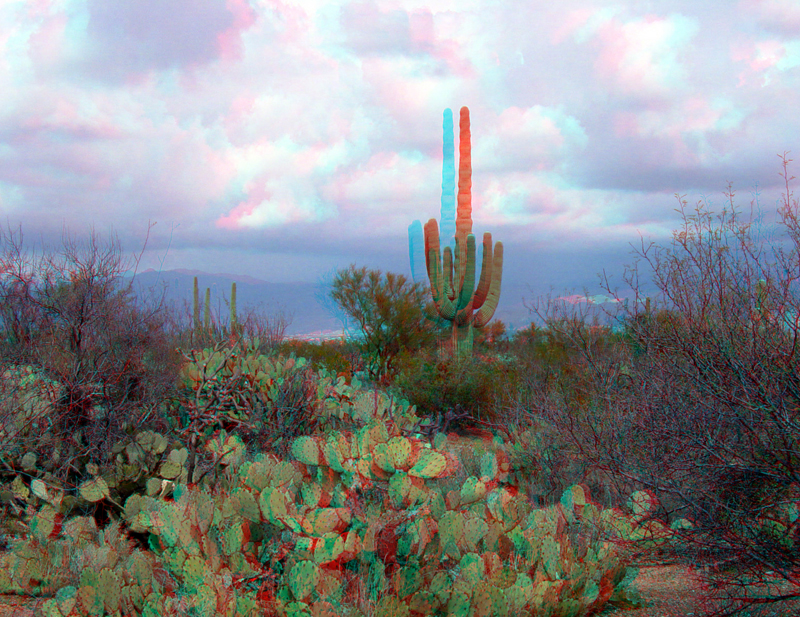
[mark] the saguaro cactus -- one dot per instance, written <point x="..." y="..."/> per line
<point x="452" y="272"/>
<point x="207" y="312"/>
<point x="234" y="322"/>
<point x="207" y="326"/>
<point x="196" y="307"/>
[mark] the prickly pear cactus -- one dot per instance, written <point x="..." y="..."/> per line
<point x="42" y="564"/>
<point x="31" y="395"/>
<point x="344" y="406"/>
<point x="255" y="378"/>
<point x="287" y="536"/>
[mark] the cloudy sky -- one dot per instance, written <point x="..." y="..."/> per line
<point x="286" y="139"/>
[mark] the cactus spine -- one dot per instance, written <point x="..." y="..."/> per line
<point x="452" y="274"/>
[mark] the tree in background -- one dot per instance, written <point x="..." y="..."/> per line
<point x="387" y="311"/>
<point x="494" y="333"/>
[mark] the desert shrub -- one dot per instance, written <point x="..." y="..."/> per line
<point x="480" y="387"/>
<point x="335" y="356"/>
<point x="708" y="419"/>
<point x="66" y="315"/>
<point x="568" y="364"/>
<point x="492" y="338"/>
<point x="290" y="412"/>
<point x="388" y="315"/>
<point x="566" y="370"/>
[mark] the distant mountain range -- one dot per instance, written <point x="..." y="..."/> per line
<point x="306" y="305"/>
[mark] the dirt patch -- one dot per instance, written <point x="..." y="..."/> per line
<point x="678" y="590"/>
<point x="665" y="591"/>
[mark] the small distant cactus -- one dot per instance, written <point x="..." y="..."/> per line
<point x="196" y="306"/>
<point x="207" y="311"/>
<point x="235" y="328"/>
<point x="205" y="328"/>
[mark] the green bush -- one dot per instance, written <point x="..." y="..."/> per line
<point x="386" y="311"/>
<point x="570" y="363"/>
<point x="480" y="386"/>
<point x="335" y="356"/>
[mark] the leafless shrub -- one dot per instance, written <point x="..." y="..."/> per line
<point x="701" y="404"/>
<point x="572" y="381"/>
<point x="67" y="315"/>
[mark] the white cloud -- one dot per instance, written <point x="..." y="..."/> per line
<point x="644" y="56"/>
<point x="535" y="138"/>
<point x="238" y="119"/>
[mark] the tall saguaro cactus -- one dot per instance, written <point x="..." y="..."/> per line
<point x="234" y="321"/>
<point x="207" y="312"/>
<point x="452" y="271"/>
<point x="196" y="307"/>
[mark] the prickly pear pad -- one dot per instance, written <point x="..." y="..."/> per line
<point x="273" y="505"/>
<point x="430" y="464"/>
<point x="108" y="585"/>
<point x="245" y="504"/>
<point x="303" y="579"/>
<point x="381" y="458"/>
<point x="390" y="606"/>
<point x="66" y="598"/>
<point x="642" y="504"/>
<point x="90" y="600"/>
<point x="326" y="520"/>
<point x="398" y="449"/>
<point x="44" y="522"/>
<point x="407" y="581"/>
<point x="228" y="448"/>
<point x="94" y="490"/>
<point x="328" y="548"/>
<point x="194" y="569"/>
<point x="574" y="501"/>
<point x="305" y="450"/>
<point x="472" y="490"/>
<point x="489" y="467"/>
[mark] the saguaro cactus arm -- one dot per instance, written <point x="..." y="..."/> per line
<point x="437" y="274"/>
<point x="450" y="302"/>
<point x="489" y="303"/>
<point x="431" y="244"/>
<point x="467" y="266"/>
<point x="464" y="214"/>
<point x="486" y="272"/>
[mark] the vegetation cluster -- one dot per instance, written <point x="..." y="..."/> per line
<point x="153" y="461"/>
